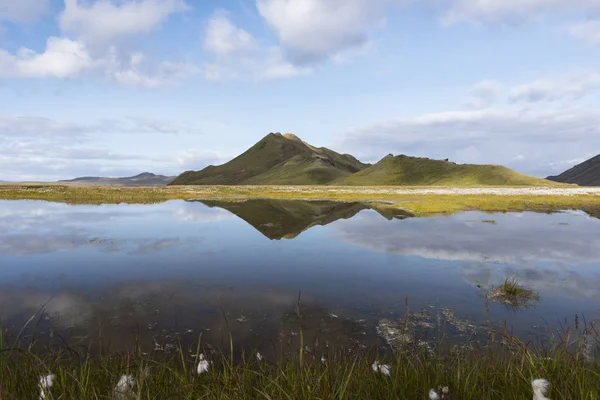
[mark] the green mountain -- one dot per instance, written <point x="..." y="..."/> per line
<point x="414" y="171"/>
<point x="585" y="174"/>
<point x="277" y="160"/>
<point x="279" y="219"/>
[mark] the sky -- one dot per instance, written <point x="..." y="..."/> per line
<point x="119" y="87"/>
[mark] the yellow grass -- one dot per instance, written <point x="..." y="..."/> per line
<point x="411" y="199"/>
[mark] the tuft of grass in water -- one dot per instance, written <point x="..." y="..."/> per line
<point x="513" y="294"/>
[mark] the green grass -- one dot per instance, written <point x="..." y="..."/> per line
<point x="501" y="369"/>
<point x="414" y="171"/>
<point x="382" y="198"/>
<point x="513" y="294"/>
<point x="494" y="365"/>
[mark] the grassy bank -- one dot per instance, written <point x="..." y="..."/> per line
<point x="420" y="201"/>
<point x="500" y="371"/>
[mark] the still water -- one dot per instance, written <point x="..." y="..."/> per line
<point x="172" y="271"/>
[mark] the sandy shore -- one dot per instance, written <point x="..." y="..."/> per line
<point x="404" y="190"/>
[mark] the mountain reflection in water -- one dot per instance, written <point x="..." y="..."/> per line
<point x="171" y="271"/>
<point x="286" y="219"/>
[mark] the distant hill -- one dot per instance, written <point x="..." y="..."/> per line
<point x="585" y="174"/>
<point x="279" y="219"/>
<point x="415" y="171"/>
<point x="277" y="160"/>
<point x="143" y="179"/>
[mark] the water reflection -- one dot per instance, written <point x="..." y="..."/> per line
<point x="279" y="219"/>
<point x="180" y="268"/>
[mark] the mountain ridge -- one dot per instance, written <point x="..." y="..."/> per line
<point x="403" y="170"/>
<point x="277" y="159"/>
<point x="586" y="173"/>
<point x="288" y="160"/>
<point x="143" y="179"/>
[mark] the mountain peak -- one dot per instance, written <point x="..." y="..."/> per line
<point x="144" y="175"/>
<point x="291" y="136"/>
<point x="277" y="160"/>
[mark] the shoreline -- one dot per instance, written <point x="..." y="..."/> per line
<point x="421" y="201"/>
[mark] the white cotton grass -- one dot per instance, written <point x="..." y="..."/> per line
<point x="540" y="387"/>
<point x="259" y="356"/>
<point x="382" y="368"/>
<point x="124" y="388"/>
<point x="433" y="395"/>
<point x="202" y="365"/>
<point x="45" y="384"/>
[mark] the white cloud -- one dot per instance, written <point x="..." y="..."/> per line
<point x="197" y="212"/>
<point x="237" y="54"/>
<point x="104" y="20"/>
<point x="312" y="31"/>
<point x="588" y="31"/>
<point x="63" y="58"/>
<point x="520" y="241"/>
<point x="24" y="126"/>
<point x="559" y="88"/>
<point x="38" y="148"/>
<point x="136" y="71"/>
<point x="492" y="135"/>
<point x="572" y="162"/>
<point x="24" y="11"/>
<point x="223" y="37"/>
<point x="198" y="159"/>
<point x="493" y="11"/>
<point x="484" y="93"/>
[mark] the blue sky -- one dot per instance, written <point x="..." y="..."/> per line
<point x="118" y="87"/>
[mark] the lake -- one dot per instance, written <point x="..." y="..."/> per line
<point x="168" y="272"/>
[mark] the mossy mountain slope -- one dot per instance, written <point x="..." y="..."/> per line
<point x="277" y="160"/>
<point x="414" y="171"/>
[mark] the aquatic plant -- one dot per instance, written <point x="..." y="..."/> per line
<point x="513" y="294"/>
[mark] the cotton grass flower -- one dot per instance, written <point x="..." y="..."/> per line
<point x="540" y="386"/>
<point x="433" y="395"/>
<point x="45" y="385"/>
<point x="124" y="388"/>
<point x="202" y="365"/>
<point x="259" y="356"/>
<point x="382" y="368"/>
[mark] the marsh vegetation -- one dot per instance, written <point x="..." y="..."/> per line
<point x="501" y="367"/>
<point x="512" y="293"/>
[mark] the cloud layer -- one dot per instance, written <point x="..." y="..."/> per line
<point x="313" y="31"/>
